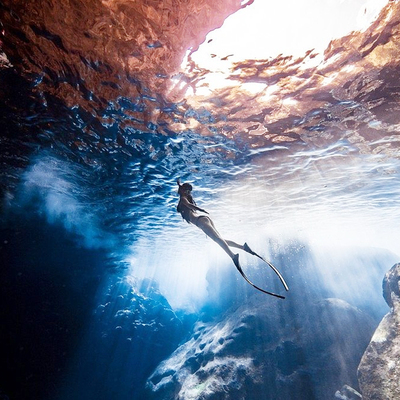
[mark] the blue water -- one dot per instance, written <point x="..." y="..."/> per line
<point x="103" y="280"/>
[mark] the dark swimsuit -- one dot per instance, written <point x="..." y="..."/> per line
<point x="184" y="211"/>
<point x="201" y="216"/>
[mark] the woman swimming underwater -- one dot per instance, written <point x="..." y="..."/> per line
<point x="189" y="210"/>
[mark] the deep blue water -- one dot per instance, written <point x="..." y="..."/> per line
<point x="101" y="278"/>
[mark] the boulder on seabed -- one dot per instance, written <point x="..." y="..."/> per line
<point x="132" y="331"/>
<point x="379" y="369"/>
<point x="267" y="351"/>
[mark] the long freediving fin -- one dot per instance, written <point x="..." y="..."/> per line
<point x="239" y="268"/>
<point x="250" y="251"/>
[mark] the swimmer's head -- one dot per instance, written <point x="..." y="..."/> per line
<point x="185" y="187"/>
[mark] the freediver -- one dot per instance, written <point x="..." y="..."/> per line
<point x="188" y="208"/>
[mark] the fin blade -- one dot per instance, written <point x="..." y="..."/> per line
<point x="250" y="251"/>
<point x="239" y="268"/>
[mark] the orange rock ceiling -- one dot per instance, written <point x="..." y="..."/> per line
<point x="89" y="53"/>
<point x="106" y="43"/>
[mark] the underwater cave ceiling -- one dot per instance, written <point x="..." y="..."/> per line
<point x="111" y="44"/>
<point x="92" y="54"/>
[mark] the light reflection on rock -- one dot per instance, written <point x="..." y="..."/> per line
<point x="90" y="55"/>
<point x="256" y="351"/>
<point x="91" y="46"/>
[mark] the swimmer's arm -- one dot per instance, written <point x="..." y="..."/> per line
<point x="200" y="209"/>
<point x="192" y="206"/>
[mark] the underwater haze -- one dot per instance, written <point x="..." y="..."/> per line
<point x="288" y="132"/>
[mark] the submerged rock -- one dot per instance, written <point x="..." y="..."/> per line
<point x="267" y="351"/>
<point x="379" y="370"/>
<point x="132" y="331"/>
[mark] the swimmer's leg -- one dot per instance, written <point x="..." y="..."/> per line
<point x="206" y="225"/>
<point x="234" y="244"/>
<point x="245" y="247"/>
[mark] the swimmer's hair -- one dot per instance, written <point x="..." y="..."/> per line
<point x="184" y="186"/>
